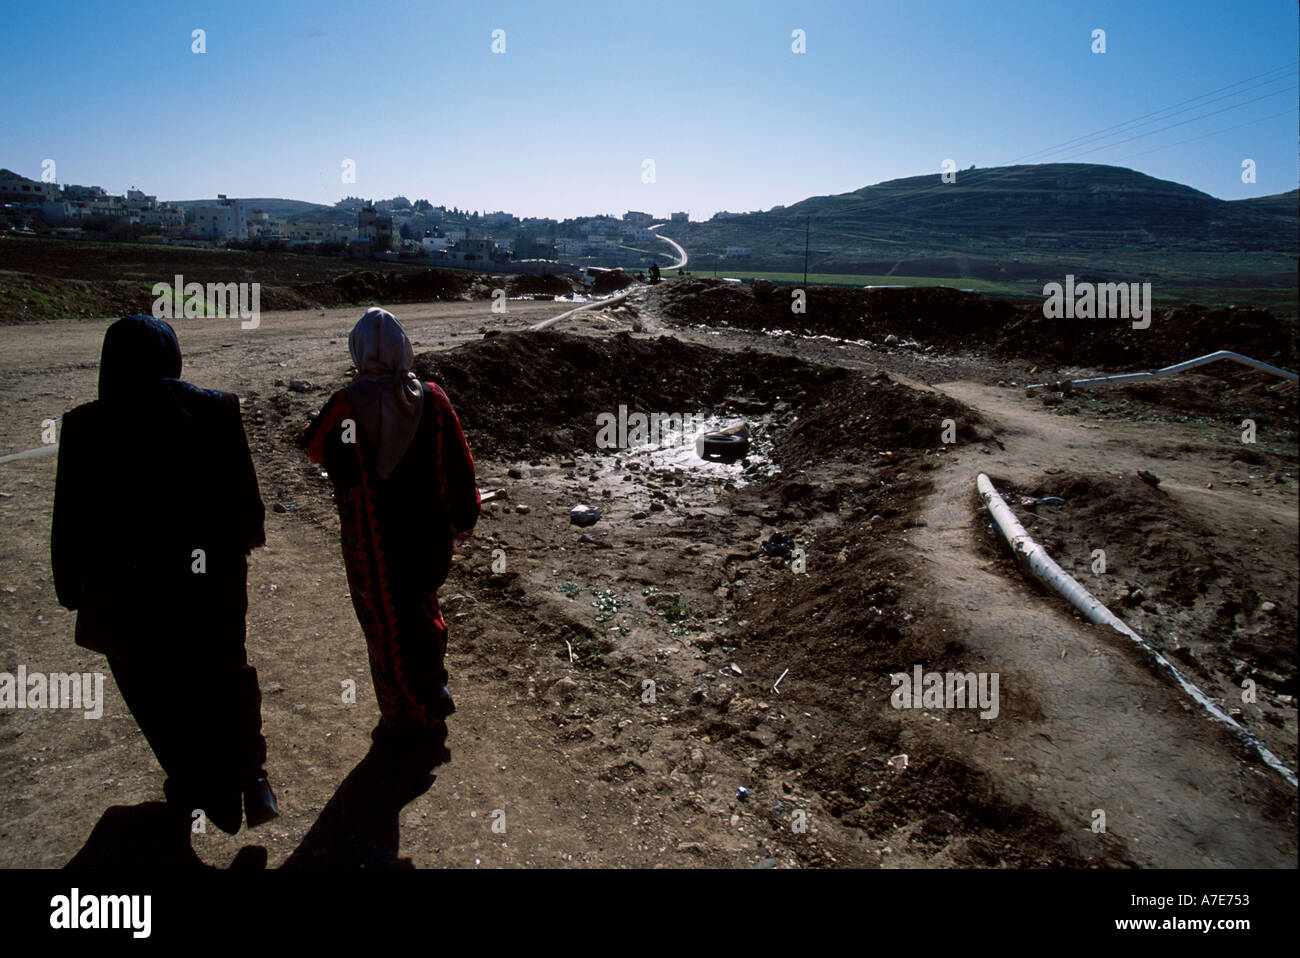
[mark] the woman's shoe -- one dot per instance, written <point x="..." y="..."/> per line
<point x="259" y="803"/>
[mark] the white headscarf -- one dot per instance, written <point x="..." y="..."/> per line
<point x="385" y="396"/>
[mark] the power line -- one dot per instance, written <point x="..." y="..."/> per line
<point x="1155" y="113"/>
<point x="1191" y="120"/>
<point x="1228" y="129"/>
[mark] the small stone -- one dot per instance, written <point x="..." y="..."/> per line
<point x="1267" y="607"/>
<point x="564" y="688"/>
<point x="522" y="509"/>
<point x="514" y="473"/>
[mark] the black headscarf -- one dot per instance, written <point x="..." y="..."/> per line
<point x="139" y="351"/>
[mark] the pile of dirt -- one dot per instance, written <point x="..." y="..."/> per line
<point x="426" y="285"/>
<point x="611" y="282"/>
<point x="1223" y="396"/>
<point x="529" y="394"/>
<point x="31" y="298"/>
<point x="956" y="321"/>
<point x="879" y="420"/>
<point x="1220" y="603"/>
<point x="536" y="285"/>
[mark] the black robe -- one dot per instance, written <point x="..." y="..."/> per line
<point x="156" y="506"/>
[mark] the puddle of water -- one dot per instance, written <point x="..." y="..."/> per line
<point x="675" y="453"/>
<point x="667" y="478"/>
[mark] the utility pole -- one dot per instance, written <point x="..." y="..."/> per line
<point x="805" y="251"/>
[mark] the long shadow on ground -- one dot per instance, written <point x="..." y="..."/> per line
<point x="150" y="836"/>
<point x="359" y="826"/>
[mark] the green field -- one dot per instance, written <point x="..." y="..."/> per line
<point x="1279" y="301"/>
<point x="851" y="279"/>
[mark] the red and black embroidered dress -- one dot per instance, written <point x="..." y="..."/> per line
<point x="397" y="537"/>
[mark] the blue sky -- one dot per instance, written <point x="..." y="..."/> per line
<point x="560" y="124"/>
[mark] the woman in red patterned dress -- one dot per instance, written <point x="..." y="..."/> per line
<point x="404" y="484"/>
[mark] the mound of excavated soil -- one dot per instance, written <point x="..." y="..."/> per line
<point x="529" y="394"/>
<point x="611" y="282"/>
<point x="954" y="321"/>
<point x="529" y="284"/>
<point x="880" y="421"/>
<point x="1224" y="394"/>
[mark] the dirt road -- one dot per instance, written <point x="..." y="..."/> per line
<point x="557" y="757"/>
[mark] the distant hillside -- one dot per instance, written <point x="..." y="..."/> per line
<point x="1020" y="222"/>
<point x="1287" y="204"/>
<point x="291" y="210"/>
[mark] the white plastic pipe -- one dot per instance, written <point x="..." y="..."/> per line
<point x="37" y="453"/>
<point x="1181" y="367"/>
<point x="1034" y="557"/>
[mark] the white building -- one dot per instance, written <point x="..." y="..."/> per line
<point x="16" y="188"/>
<point x="226" y="221"/>
<point x="312" y="234"/>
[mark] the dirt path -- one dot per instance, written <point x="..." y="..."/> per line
<point x="1111" y="735"/>
<point x="60" y="773"/>
<point x="584" y="773"/>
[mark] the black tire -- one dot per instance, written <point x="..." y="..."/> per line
<point x="722" y="447"/>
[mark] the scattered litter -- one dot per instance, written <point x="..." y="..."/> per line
<point x="898" y="762"/>
<point x="584" y="515"/>
<point x="742" y="793"/>
<point x="723" y="446"/>
<point x="778" y="681"/>
<point x="1043" y="501"/>
<point x="780" y="544"/>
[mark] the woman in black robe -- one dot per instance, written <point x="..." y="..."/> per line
<point x="156" y="507"/>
